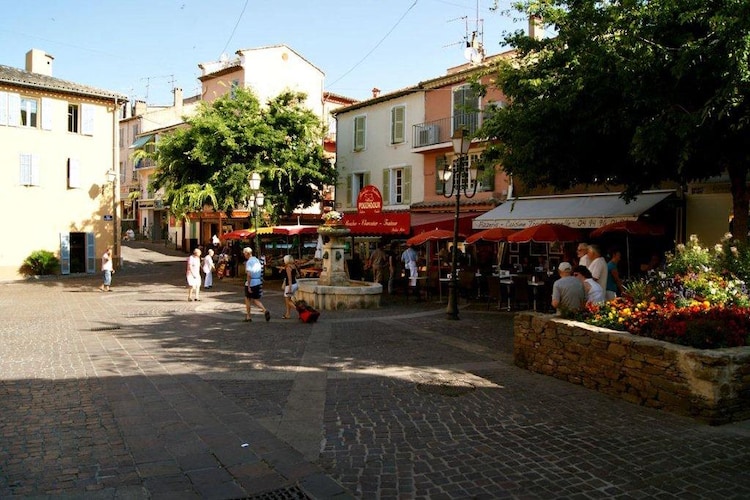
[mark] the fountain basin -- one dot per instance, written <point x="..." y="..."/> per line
<point x="353" y="295"/>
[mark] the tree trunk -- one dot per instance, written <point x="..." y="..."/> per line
<point x="738" y="180"/>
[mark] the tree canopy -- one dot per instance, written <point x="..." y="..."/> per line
<point x="209" y="161"/>
<point x="629" y="92"/>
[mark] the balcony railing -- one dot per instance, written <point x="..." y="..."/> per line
<point x="440" y="131"/>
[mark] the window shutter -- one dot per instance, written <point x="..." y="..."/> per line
<point x="3" y="108"/>
<point x="35" y="170"/>
<point x="359" y="133"/>
<point x="366" y="177"/>
<point x="90" y="253"/>
<point x="439" y="167"/>
<point x="14" y="110"/>
<point x="64" y="253"/>
<point x="74" y="173"/>
<point x="386" y="187"/>
<point x="87" y="119"/>
<point x="48" y="113"/>
<point x="406" y="188"/>
<point x="397" y="124"/>
<point x="24" y="163"/>
<point x="349" y="180"/>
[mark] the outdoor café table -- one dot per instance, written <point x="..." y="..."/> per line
<point x="507" y="282"/>
<point x="535" y="285"/>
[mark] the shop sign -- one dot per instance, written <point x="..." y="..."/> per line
<point x="369" y="200"/>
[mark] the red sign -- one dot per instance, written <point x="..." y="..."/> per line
<point x="369" y="200"/>
<point x="384" y="223"/>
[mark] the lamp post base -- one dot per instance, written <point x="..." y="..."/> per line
<point x="451" y="310"/>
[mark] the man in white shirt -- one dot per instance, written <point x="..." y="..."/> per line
<point x="582" y="252"/>
<point x="597" y="265"/>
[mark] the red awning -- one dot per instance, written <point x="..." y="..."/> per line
<point x="421" y="222"/>
<point x="295" y="230"/>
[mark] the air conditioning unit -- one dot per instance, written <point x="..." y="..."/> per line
<point x="427" y="135"/>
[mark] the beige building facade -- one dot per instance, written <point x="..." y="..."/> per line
<point x="61" y="188"/>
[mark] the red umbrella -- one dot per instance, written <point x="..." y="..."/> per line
<point x="435" y="234"/>
<point x="631" y="227"/>
<point x="238" y="234"/>
<point x="295" y="230"/>
<point x="545" y="233"/>
<point x="494" y="235"/>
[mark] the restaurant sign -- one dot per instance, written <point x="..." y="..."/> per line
<point x="574" y="222"/>
<point x="383" y="223"/>
<point x="369" y="200"/>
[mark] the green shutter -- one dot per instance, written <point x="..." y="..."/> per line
<point x="407" y="186"/>
<point x="366" y="177"/>
<point x="439" y="167"/>
<point x="348" y="201"/>
<point x="397" y="124"/>
<point x="386" y="187"/>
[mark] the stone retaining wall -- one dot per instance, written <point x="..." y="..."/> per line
<point x="712" y="386"/>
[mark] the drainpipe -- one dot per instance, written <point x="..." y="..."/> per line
<point x="115" y="188"/>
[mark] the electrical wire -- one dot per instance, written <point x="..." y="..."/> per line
<point x="235" y="27"/>
<point x="375" y="47"/>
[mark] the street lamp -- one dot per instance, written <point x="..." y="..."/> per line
<point x="112" y="177"/>
<point x="457" y="174"/>
<point x="255" y="202"/>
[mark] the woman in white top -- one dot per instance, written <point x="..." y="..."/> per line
<point x="594" y="291"/>
<point x="208" y="269"/>
<point x="193" y="274"/>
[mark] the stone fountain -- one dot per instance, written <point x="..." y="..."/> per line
<point x="333" y="289"/>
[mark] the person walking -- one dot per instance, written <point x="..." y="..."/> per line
<point x="107" y="270"/>
<point x="253" y="284"/>
<point x="377" y="262"/>
<point x="568" y="294"/>
<point x="193" y="275"/>
<point x="394" y="270"/>
<point x="290" y="286"/>
<point x="208" y="269"/>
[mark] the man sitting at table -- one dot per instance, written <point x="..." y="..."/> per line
<point x="568" y="294"/>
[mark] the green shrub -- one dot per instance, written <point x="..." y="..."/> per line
<point x="40" y="262"/>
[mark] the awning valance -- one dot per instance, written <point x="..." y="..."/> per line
<point x="142" y="141"/>
<point x="421" y="222"/>
<point x="577" y="211"/>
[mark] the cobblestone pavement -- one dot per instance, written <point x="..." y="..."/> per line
<point x="139" y="393"/>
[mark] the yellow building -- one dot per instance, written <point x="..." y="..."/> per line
<point x="61" y="153"/>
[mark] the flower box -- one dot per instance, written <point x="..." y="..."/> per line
<point x="710" y="385"/>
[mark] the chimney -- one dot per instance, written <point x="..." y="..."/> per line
<point x="38" y="61"/>
<point x="536" y="27"/>
<point x="140" y="108"/>
<point x="177" y="99"/>
<point x="375" y="92"/>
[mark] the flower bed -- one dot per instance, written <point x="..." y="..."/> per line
<point x="711" y="385"/>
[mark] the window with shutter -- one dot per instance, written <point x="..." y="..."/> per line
<point x="439" y="168"/>
<point x="87" y="119"/>
<point x="360" y="123"/>
<point x="465" y="109"/>
<point x="14" y="110"/>
<point x="397" y="186"/>
<point x="29" y="112"/>
<point x="48" y="113"/>
<point x="74" y="119"/>
<point x="74" y="177"/>
<point x="398" y="116"/>
<point x="4" y="108"/>
<point x="28" y="169"/>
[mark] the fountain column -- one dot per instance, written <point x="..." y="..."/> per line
<point x="334" y="243"/>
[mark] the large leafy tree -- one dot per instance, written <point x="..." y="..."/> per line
<point x="629" y="92"/>
<point x="209" y="161"/>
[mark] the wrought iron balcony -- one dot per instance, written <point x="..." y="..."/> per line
<point x="440" y="131"/>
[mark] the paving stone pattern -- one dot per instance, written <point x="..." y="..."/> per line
<point x="139" y="393"/>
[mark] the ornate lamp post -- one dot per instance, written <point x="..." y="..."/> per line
<point x="112" y="177"/>
<point x="457" y="174"/>
<point x="255" y="202"/>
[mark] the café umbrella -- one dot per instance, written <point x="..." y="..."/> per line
<point x="545" y="233"/>
<point x="628" y="228"/>
<point x="238" y="234"/>
<point x="494" y="235"/>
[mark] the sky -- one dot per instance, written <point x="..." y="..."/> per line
<point x="143" y="49"/>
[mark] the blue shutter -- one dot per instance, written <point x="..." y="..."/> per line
<point x="64" y="253"/>
<point x="90" y="253"/>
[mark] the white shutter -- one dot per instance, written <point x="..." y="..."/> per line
<point x="74" y="173"/>
<point x="35" y="170"/>
<point x="14" y="109"/>
<point x="24" y="162"/>
<point x="87" y="119"/>
<point x="64" y="253"/>
<point x="48" y="113"/>
<point x="3" y="108"/>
